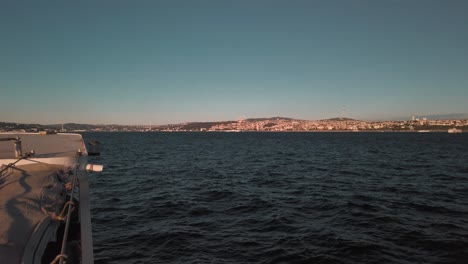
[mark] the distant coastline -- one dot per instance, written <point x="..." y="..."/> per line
<point x="273" y="124"/>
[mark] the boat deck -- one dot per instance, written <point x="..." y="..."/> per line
<point x="45" y="146"/>
<point x="33" y="192"/>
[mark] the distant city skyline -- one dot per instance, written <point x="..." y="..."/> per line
<point x="458" y="117"/>
<point x="164" y="62"/>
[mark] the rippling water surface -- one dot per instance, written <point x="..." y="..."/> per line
<point x="281" y="198"/>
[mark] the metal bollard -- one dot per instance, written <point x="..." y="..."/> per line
<point x="18" y="148"/>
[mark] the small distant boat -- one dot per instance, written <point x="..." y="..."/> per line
<point x="423" y="131"/>
<point x="454" y="130"/>
<point x="44" y="199"/>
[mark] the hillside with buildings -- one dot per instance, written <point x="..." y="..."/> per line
<point x="272" y="124"/>
<point x="333" y="124"/>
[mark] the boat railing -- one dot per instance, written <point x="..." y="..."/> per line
<point x="68" y="207"/>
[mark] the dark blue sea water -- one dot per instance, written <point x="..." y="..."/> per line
<point x="281" y="198"/>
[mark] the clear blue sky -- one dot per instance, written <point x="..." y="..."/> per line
<point x="135" y="62"/>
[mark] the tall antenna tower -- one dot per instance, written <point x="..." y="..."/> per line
<point x="343" y="112"/>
